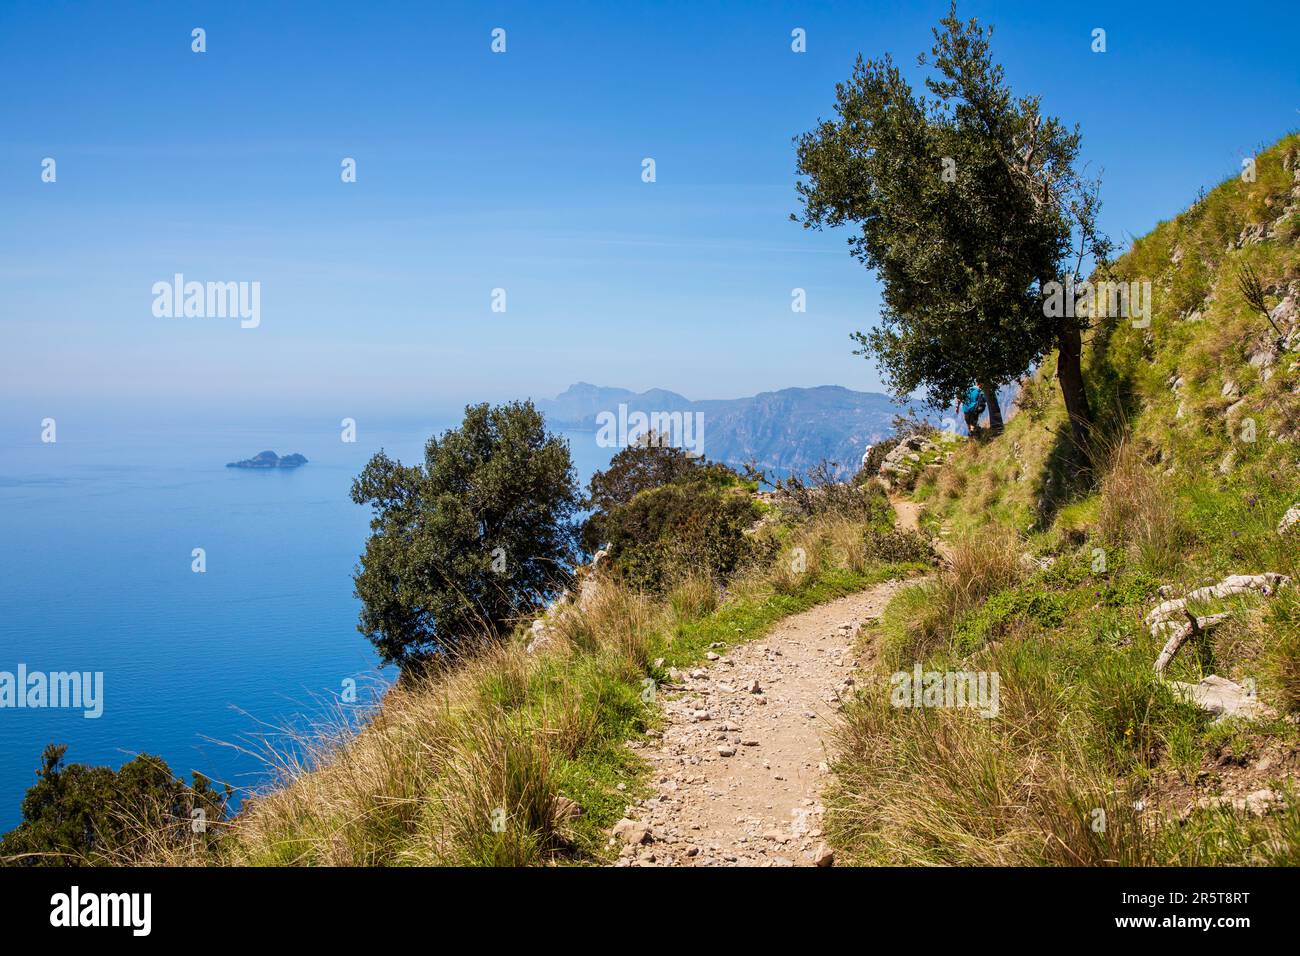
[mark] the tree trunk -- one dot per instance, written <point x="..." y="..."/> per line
<point x="1070" y="372"/>
<point x="995" y="410"/>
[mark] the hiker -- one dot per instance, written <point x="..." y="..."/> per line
<point x="972" y="407"/>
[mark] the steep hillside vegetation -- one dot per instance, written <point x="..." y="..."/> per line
<point x="527" y="750"/>
<point x="1060" y="559"/>
<point x="527" y="754"/>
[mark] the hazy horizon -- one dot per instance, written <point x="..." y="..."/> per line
<point x="375" y="296"/>
<point x="20" y="420"/>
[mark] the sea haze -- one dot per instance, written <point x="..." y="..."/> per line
<point x="98" y="530"/>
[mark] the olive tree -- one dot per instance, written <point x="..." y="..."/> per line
<point x="968" y="203"/>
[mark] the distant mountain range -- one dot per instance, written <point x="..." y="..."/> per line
<point x="790" y="430"/>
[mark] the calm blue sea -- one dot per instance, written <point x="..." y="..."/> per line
<point x="96" y="535"/>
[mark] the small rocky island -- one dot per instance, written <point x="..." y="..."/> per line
<point x="269" y="459"/>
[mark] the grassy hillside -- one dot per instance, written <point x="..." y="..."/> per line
<point x="526" y="753"/>
<point x="1057" y="559"/>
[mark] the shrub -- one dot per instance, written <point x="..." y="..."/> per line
<point x="643" y="466"/>
<point x="467" y="542"/>
<point x="691" y="526"/>
<point x="77" y="814"/>
<point x="822" y="494"/>
<point x="895" y="546"/>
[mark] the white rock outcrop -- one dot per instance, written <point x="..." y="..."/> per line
<point x="1170" y="615"/>
<point x="589" y="584"/>
<point x="1223" y="697"/>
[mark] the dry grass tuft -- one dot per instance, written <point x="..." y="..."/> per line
<point x="459" y="766"/>
<point x="1137" y="510"/>
<point x="924" y="619"/>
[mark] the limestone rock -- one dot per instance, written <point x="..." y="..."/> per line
<point x="632" y="832"/>
<point x="566" y="809"/>
<point x="1256" y="803"/>
<point x="1169" y="614"/>
<point x="903" y="463"/>
<point x="539" y="637"/>
<point x="1290" y="523"/>
<point x="1223" y="697"/>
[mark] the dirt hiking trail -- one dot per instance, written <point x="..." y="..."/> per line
<point x="908" y="514"/>
<point x="739" y="770"/>
<point x="909" y="519"/>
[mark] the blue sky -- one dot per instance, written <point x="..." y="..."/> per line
<point x="519" y="171"/>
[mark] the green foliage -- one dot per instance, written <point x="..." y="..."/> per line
<point x="667" y="516"/>
<point x="897" y="546"/>
<point x="643" y="466"/>
<point x="1171" y="498"/>
<point x="1234" y="526"/>
<point x="460" y="546"/>
<point x="76" y="814"/>
<point x="1131" y="712"/>
<point x="1082" y="726"/>
<point x="687" y="527"/>
<point x="1017" y="606"/>
<point x="965" y="201"/>
<point x="477" y="764"/>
